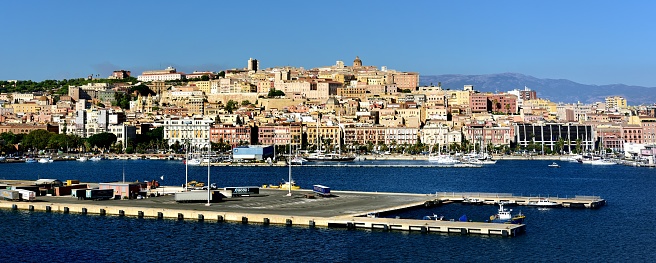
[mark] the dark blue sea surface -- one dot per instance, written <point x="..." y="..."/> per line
<point x="620" y="231"/>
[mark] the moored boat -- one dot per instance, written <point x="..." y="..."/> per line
<point x="95" y="158"/>
<point x="45" y="160"/>
<point x="602" y="162"/>
<point x="193" y="161"/>
<point x="554" y="164"/>
<point x="30" y="160"/>
<point x="543" y="202"/>
<point x="505" y="216"/>
<point x="286" y="185"/>
<point x="298" y="160"/>
<point x="82" y="159"/>
<point x="329" y="157"/>
<point x="443" y="159"/>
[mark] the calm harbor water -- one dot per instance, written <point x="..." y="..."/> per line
<point x="622" y="230"/>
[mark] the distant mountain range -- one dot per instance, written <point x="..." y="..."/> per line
<point x="556" y="90"/>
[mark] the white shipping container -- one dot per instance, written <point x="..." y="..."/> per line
<point x="27" y="195"/>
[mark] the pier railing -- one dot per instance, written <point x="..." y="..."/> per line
<point x="509" y="195"/>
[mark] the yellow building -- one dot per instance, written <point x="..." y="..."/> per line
<point x="457" y="97"/>
<point x="203" y="86"/>
<point x="549" y="106"/>
<point x="615" y="102"/>
<point x="26" y="107"/>
<point x="328" y="135"/>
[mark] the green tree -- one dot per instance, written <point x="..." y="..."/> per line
<point x="142" y="90"/>
<point x="57" y="141"/>
<point x="37" y="139"/>
<point x="102" y="140"/>
<point x="275" y="93"/>
<point x="230" y="106"/>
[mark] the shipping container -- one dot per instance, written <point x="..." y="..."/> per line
<point x="321" y="190"/>
<point x="80" y="194"/>
<point x="10" y="194"/>
<point x="72" y="182"/>
<point x="99" y="194"/>
<point x="197" y="196"/>
<point x="243" y="190"/>
<point x="27" y="195"/>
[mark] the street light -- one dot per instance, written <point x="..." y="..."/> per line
<point x="209" y="195"/>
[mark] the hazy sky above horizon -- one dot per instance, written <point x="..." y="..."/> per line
<point x="590" y="42"/>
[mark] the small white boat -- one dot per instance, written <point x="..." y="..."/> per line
<point x="45" y="160"/>
<point x="194" y="161"/>
<point x="372" y="215"/>
<point x="30" y="160"/>
<point x="298" y="160"/>
<point x="543" y="202"/>
<point x="602" y="162"/>
<point x="443" y="159"/>
<point x="95" y="158"/>
<point x="472" y="201"/>
<point x="82" y="159"/>
<point x="554" y="164"/>
<point x="434" y="217"/>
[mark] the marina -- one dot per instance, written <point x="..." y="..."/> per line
<point x="344" y="209"/>
<point x="250" y="225"/>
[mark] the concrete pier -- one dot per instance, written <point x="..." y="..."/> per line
<point x="494" y="198"/>
<point x="345" y="209"/>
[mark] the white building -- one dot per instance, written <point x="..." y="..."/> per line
<point x="169" y="73"/>
<point x="192" y="130"/>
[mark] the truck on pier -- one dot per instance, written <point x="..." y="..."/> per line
<point x="12" y="195"/>
<point x="321" y="190"/>
<point x="26" y="195"/>
<point x="93" y="194"/>
<point x="197" y="196"/>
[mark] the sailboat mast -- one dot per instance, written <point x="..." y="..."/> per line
<point x="186" y="168"/>
<point x="289" y="163"/>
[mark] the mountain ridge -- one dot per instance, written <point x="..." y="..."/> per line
<point x="556" y="90"/>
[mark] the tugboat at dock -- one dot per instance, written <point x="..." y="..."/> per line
<point x="505" y="216"/>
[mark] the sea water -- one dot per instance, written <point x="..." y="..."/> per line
<point x="621" y="230"/>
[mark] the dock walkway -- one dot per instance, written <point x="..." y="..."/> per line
<point x="346" y="209"/>
<point x="495" y="198"/>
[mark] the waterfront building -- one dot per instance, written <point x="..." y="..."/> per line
<point x="252" y="153"/>
<point x="610" y="137"/>
<point x="280" y="134"/>
<point x="548" y="135"/>
<point x="648" y="129"/>
<point x="439" y="134"/>
<point x="365" y="135"/>
<point x="125" y="190"/>
<point x="328" y="135"/>
<point x="194" y="131"/>
<point x="632" y="133"/>
<point x="232" y="135"/>
<point x="488" y="134"/>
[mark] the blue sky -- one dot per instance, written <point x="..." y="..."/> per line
<point x="590" y="42"/>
